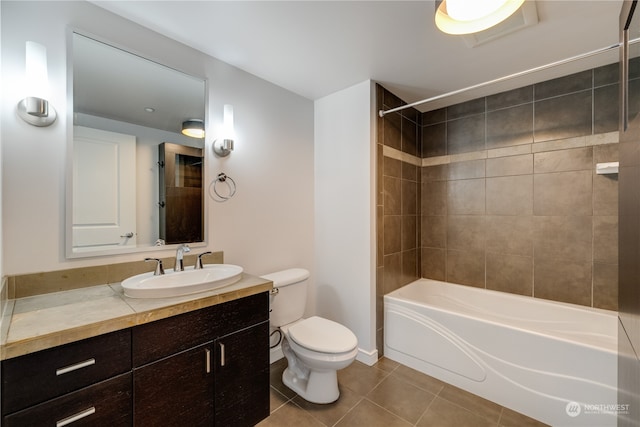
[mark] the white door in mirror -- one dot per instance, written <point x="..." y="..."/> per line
<point x="104" y="189"/>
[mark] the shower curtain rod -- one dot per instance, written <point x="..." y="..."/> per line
<point x="382" y="113"/>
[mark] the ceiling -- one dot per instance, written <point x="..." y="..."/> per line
<point x="117" y="85"/>
<point x="315" y="48"/>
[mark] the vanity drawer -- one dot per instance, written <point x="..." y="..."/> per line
<point x="104" y="404"/>
<point x="155" y="340"/>
<point x="37" y="377"/>
<point x="241" y="313"/>
<point x="161" y="338"/>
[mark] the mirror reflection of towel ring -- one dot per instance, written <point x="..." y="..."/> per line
<point x="220" y="192"/>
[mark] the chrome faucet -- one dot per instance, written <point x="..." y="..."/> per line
<point x="179" y="265"/>
<point x="198" y="265"/>
<point x="159" y="269"/>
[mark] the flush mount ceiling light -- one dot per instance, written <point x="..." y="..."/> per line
<point x="472" y="16"/>
<point x="193" y="128"/>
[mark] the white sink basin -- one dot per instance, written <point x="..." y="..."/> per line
<point x="189" y="281"/>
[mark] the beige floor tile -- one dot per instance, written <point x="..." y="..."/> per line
<point x="471" y="402"/>
<point x="368" y="414"/>
<point x="276" y="399"/>
<point x="443" y="413"/>
<point x="386" y="365"/>
<point x="396" y="395"/>
<point x="425" y="382"/>
<point x="290" y="415"/>
<point x="401" y="398"/>
<point x="511" y="418"/>
<point x="360" y="377"/>
<point x="331" y="413"/>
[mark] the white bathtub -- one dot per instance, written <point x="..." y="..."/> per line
<point x="552" y="361"/>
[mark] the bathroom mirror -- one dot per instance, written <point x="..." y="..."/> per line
<point x="125" y="107"/>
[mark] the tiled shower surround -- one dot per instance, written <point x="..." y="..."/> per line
<point x="501" y="192"/>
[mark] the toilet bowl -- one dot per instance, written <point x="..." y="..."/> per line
<point x="315" y="348"/>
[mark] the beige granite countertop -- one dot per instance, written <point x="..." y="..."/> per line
<point x="39" y="322"/>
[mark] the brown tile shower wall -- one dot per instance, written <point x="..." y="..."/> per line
<point x="540" y="224"/>
<point x="398" y="203"/>
<point x="511" y="200"/>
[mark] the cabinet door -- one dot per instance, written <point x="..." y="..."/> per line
<point x="242" y="377"/>
<point x="175" y="391"/>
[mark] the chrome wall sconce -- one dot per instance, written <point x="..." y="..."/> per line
<point x="34" y="108"/>
<point x="224" y="146"/>
<point x="193" y="128"/>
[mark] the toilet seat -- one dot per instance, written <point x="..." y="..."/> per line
<point x="322" y="335"/>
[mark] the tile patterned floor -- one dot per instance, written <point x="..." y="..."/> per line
<point x="388" y="394"/>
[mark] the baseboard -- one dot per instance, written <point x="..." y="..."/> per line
<point x="275" y="354"/>
<point x="367" y="357"/>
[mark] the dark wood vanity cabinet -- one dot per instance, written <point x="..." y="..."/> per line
<point x="201" y="368"/>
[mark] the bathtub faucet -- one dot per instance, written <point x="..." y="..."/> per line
<point x="179" y="265"/>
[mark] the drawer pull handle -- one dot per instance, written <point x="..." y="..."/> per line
<point x="221" y="354"/>
<point x="207" y="359"/>
<point x="75" y="367"/>
<point x="76" y="417"/>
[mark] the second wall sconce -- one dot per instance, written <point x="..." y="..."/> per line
<point x="223" y="146"/>
<point x="34" y="108"/>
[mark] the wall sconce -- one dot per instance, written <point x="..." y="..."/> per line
<point x="224" y="146"/>
<point x="193" y="128"/>
<point x="35" y="109"/>
<point x="472" y="16"/>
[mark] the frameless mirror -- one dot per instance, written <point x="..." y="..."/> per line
<point x="126" y="110"/>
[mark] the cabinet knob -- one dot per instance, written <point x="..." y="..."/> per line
<point x="222" y="362"/>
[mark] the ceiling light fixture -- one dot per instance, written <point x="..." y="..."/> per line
<point x="193" y="128"/>
<point x="472" y="16"/>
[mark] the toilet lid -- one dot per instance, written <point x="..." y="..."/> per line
<point x="323" y="335"/>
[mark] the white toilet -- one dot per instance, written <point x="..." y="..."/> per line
<point x="315" y="348"/>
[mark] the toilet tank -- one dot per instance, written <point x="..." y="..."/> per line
<point x="288" y="304"/>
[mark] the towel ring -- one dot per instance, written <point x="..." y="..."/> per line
<point x="219" y="192"/>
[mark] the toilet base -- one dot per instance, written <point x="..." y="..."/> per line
<point x="319" y="386"/>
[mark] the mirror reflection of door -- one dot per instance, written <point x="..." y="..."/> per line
<point x="181" y="193"/>
<point x="104" y="189"/>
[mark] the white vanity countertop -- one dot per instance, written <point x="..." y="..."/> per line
<point x="39" y="322"/>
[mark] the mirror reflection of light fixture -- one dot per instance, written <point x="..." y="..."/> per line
<point x="34" y="108"/>
<point x="224" y="146"/>
<point x="472" y="16"/>
<point x="193" y="128"/>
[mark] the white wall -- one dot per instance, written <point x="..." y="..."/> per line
<point x="267" y="226"/>
<point x="345" y="212"/>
